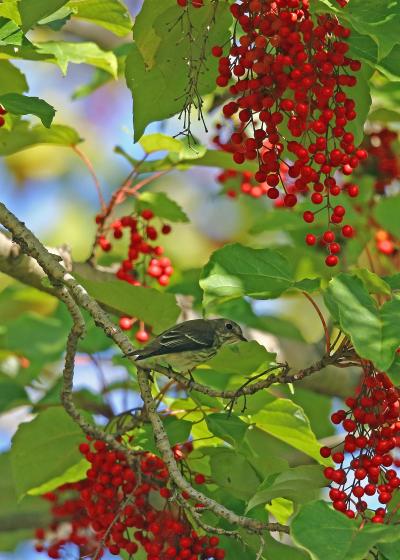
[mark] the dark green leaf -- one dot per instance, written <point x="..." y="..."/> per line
<point x="26" y="514"/>
<point x="228" y="428"/>
<point x="110" y="14"/>
<point x="11" y="394"/>
<point x="18" y="104"/>
<point x="36" y="337"/>
<point x="162" y="206"/>
<point x="156" y="68"/>
<point x="235" y="271"/>
<point x="233" y="472"/>
<point x="72" y="474"/>
<point x="44" y="448"/>
<point x="34" y="10"/>
<point x="155" y="308"/>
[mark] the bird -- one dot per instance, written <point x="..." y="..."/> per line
<point x="184" y="346"/>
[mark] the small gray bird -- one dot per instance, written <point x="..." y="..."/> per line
<point x="188" y="344"/>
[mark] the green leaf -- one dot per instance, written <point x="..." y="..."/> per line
<point x="36" y="337"/>
<point x="162" y="206"/>
<point x="158" y="309"/>
<point x="9" y="10"/>
<point x="299" y="484"/>
<point x="374" y="332"/>
<point x="393" y="281"/>
<point x="23" y="136"/>
<point x="380" y="20"/>
<point x="27" y="513"/>
<point x="232" y="471"/>
<point x="236" y="271"/>
<point x="390" y="65"/>
<point x="79" y="53"/>
<point x="157" y="69"/>
<point x="360" y="93"/>
<point x="387" y="212"/>
<point x="110" y="14"/>
<point x="281" y="508"/>
<point x="13" y="80"/>
<point x="34" y="10"/>
<point x="18" y="104"/>
<point x="72" y="474"/>
<point x="273" y="549"/>
<point x="159" y="142"/>
<point x="374" y="283"/>
<point x="241" y="311"/>
<point x="242" y="358"/>
<point x="330" y="535"/>
<point x="286" y="421"/>
<point x="11" y="394"/>
<point x="229" y="428"/>
<point x="44" y="448"/>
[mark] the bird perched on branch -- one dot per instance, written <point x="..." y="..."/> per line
<point x="188" y="344"/>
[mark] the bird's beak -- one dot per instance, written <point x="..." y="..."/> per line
<point x="241" y="337"/>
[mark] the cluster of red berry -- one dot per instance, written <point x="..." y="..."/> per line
<point x="291" y="73"/>
<point x="144" y="262"/>
<point x="382" y="162"/>
<point x="118" y="509"/>
<point x="235" y="182"/>
<point x="2" y="113"/>
<point x="363" y="468"/>
<point x="193" y="3"/>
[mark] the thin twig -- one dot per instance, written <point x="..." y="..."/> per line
<point x="96" y="181"/>
<point x="322" y="319"/>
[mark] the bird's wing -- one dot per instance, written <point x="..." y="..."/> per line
<point x="180" y="339"/>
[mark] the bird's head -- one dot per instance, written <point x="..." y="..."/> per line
<point x="228" y="331"/>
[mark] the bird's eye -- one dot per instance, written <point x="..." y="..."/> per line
<point x="229" y="326"/>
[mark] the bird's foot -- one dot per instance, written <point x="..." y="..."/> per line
<point x="191" y="380"/>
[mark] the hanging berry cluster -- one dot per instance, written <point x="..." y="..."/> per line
<point x="118" y="509"/>
<point x="291" y="73"/>
<point x="235" y="182"/>
<point x="364" y="469"/>
<point x="144" y="263"/>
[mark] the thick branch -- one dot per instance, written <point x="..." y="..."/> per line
<point x="27" y="270"/>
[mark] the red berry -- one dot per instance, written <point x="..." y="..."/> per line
<point x="142" y="336"/>
<point x="126" y="323"/>
<point x="199" y="478"/>
<point x="331" y="260"/>
<point x="147" y="214"/>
